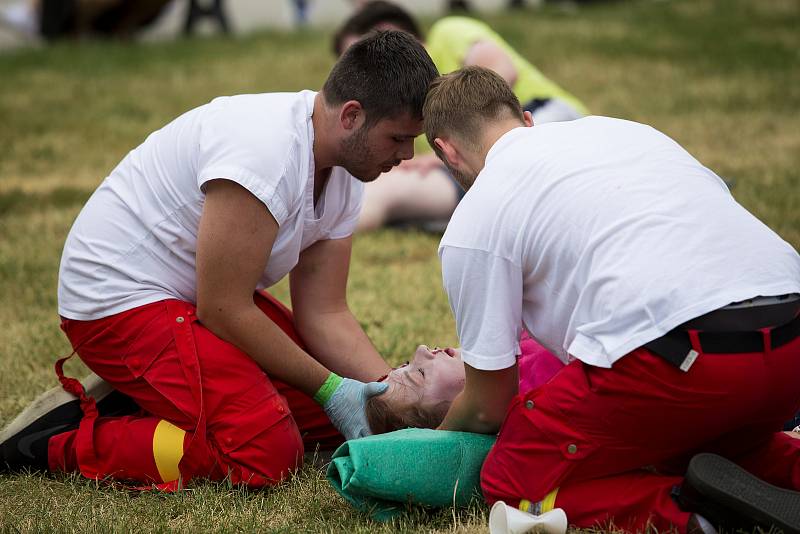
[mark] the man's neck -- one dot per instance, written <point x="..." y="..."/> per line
<point x="491" y="134"/>
<point x="475" y="160"/>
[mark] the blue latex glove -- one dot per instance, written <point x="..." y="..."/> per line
<point x="346" y="407"/>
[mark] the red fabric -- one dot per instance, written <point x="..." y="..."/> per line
<point x="615" y="441"/>
<point x="238" y="422"/>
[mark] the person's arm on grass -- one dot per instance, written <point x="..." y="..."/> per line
<point x="489" y="55"/>
<point x="318" y="286"/>
<point x="422" y="163"/>
<point x="234" y="242"/>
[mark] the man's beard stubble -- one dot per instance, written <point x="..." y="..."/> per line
<point x="356" y="155"/>
<point x="461" y="179"/>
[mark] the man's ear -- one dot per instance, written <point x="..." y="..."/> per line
<point x="528" y="118"/>
<point x="449" y="151"/>
<point x="351" y="116"/>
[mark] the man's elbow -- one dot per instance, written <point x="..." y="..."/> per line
<point x="205" y="315"/>
<point x="214" y="317"/>
<point x="489" y="422"/>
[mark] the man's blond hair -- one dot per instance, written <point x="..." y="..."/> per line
<point x="460" y="103"/>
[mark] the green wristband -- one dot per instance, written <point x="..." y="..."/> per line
<point x="323" y="394"/>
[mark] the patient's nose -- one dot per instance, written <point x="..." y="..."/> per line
<point x="423" y="352"/>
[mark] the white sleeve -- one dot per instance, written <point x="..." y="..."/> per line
<point x="233" y="147"/>
<point x="485" y="294"/>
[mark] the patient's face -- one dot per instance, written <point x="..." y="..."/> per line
<point x="434" y="376"/>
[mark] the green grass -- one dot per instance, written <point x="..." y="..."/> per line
<point x="720" y="76"/>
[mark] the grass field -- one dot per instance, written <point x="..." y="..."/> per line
<point x="721" y="77"/>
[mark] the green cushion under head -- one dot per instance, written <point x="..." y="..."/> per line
<point x="379" y="474"/>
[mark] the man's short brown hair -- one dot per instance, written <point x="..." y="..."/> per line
<point x="460" y="103"/>
<point x="387" y="72"/>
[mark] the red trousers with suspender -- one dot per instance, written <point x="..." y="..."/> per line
<point x="613" y="443"/>
<point x="208" y="410"/>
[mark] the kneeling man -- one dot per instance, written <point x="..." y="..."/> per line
<point x="675" y="309"/>
<point x="157" y="281"/>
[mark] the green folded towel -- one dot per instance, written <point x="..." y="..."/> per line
<point x="379" y="474"/>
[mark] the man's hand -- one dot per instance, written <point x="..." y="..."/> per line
<point x="346" y="407"/>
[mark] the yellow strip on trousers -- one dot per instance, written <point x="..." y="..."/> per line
<point x="549" y="502"/>
<point x="168" y="450"/>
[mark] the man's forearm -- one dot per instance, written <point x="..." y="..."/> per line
<point x="280" y="357"/>
<point x="340" y="344"/>
<point x="482" y="405"/>
<point x="464" y="417"/>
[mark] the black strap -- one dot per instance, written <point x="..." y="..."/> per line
<point x="786" y="333"/>
<point x="675" y="345"/>
<point x="669" y="348"/>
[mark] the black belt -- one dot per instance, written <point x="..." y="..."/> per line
<point x="676" y="347"/>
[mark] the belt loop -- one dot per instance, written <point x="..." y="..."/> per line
<point x="694" y="339"/>
<point x="766" y="334"/>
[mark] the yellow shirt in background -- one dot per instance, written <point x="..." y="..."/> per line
<point x="450" y="39"/>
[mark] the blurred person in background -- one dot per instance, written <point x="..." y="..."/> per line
<point x="421" y="191"/>
<point x="64" y="19"/>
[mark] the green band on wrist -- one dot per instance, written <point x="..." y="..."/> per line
<point x="323" y="394"/>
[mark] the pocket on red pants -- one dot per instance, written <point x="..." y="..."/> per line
<point x="257" y="437"/>
<point x="151" y="341"/>
<point x="246" y="415"/>
<point x="535" y="452"/>
<point x="572" y="443"/>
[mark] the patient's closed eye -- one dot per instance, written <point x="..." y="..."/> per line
<point x="421" y="371"/>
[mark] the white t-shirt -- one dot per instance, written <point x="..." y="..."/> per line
<point x="135" y="240"/>
<point x="597" y="236"/>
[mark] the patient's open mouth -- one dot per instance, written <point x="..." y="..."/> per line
<point x="449" y="351"/>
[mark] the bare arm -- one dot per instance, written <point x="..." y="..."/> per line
<point x="488" y="54"/>
<point x="319" y="301"/>
<point x="485" y="294"/>
<point x="482" y="405"/>
<point x="234" y="242"/>
<point x="422" y="163"/>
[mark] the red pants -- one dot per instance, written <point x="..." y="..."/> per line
<point x="208" y="409"/>
<point x="610" y="444"/>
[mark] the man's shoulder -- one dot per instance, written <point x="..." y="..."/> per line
<point x="278" y="106"/>
<point x="270" y="122"/>
<point x="522" y="144"/>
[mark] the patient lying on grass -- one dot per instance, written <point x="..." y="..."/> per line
<point x="420" y="392"/>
